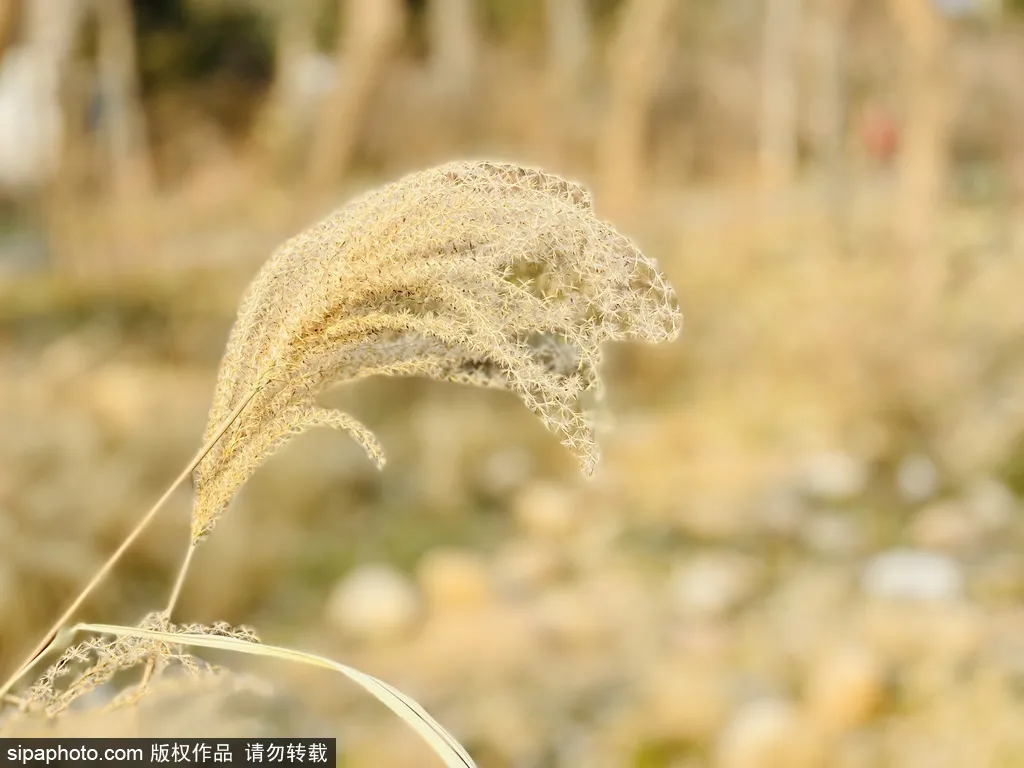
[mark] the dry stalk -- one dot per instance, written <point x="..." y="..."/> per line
<point x="479" y="273"/>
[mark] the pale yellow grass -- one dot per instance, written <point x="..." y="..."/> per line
<point x="478" y="273"/>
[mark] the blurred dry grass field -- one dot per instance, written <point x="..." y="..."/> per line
<point x="710" y="562"/>
<point x="803" y="546"/>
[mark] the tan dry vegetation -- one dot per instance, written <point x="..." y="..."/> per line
<point x="706" y="428"/>
<point x="732" y="587"/>
<point x="481" y="273"/>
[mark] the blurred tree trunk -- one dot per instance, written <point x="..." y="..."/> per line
<point x="123" y="123"/>
<point x="44" y="41"/>
<point x="295" y="40"/>
<point x="827" y="97"/>
<point x="11" y="12"/>
<point x="454" y="47"/>
<point x="828" y="100"/>
<point x="32" y="121"/>
<point x="636" y="59"/>
<point x="569" y="32"/>
<point x="284" y="119"/>
<point x="369" y="33"/>
<point x="778" y="153"/>
<point x="924" y="156"/>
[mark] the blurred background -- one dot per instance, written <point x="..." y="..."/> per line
<point x="804" y="544"/>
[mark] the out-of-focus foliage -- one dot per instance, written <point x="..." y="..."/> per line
<point x="803" y="546"/>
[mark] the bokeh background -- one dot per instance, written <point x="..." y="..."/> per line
<point x="804" y="546"/>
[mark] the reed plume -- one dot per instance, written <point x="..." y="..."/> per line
<point x="84" y="667"/>
<point x="480" y="273"/>
<point x="474" y="272"/>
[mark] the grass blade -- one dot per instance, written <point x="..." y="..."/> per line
<point x="443" y="743"/>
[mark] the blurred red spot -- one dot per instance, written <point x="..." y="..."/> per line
<point x="878" y="134"/>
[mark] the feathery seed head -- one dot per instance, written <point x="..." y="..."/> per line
<point x="474" y="272"/>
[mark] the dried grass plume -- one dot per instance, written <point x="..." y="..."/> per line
<point x="474" y="272"/>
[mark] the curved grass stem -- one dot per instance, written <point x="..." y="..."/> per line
<point x="415" y="716"/>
